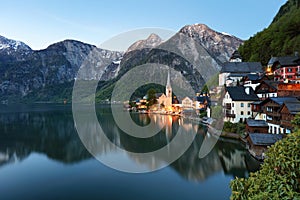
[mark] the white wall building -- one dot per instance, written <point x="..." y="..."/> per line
<point x="237" y="103"/>
<point x="187" y="103"/>
<point x="233" y="71"/>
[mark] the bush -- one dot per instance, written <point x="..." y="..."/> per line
<point x="234" y="127"/>
<point x="279" y="176"/>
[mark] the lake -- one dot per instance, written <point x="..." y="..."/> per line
<point x="42" y="157"/>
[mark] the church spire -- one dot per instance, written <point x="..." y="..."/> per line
<point x="168" y="87"/>
<point x="168" y="80"/>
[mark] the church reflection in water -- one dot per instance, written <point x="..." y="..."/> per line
<point x="52" y="133"/>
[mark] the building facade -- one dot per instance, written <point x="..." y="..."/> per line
<point x="237" y="103"/>
<point x="232" y="72"/>
<point x="285" y="69"/>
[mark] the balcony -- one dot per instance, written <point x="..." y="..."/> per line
<point x="274" y="121"/>
<point x="286" y="124"/>
<point x="274" y="105"/>
<point x="273" y="114"/>
<point x="228" y="106"/>
<point x="230" y="115"/>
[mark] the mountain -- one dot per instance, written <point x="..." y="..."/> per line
<point x="219" y="45"/>
<point x="196" y="51"/>
<point x="12" y="50"/>
<point x="280" y="38"/>
<point x="152" y="41"/>
<point x="8" y="44"/>
<point x="48" y="74"/>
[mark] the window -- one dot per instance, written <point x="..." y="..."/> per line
<point x="242" y="112"/>
<point x="248" y="113"/>
<point x="269" y="117"/>
<point x="269" y="109"/>
<point x="232" y="104"/>
<point x="249" y="105"/>
<point x="242" y="104"/>
<point x="289" y="69"/>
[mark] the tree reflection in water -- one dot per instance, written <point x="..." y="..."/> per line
<point x="49" y="129"/>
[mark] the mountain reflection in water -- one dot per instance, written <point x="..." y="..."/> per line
<point x="49" y="130"/>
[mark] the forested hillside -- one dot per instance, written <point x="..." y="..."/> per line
<point x="281" y="38"/>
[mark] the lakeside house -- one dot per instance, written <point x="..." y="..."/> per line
<point x="256" y="126"/>
<point x="285" y="69"/>
<point x="202" y="102"/>
<point x="237" y="103"/>
<point x="288" y="111"/>
<point x="187" y="103"/>
<point x="268" y="110"/>
<point x="258" y="143"/>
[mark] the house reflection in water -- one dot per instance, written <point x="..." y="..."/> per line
<point x="27" y="132"/>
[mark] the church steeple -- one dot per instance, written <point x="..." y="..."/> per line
<point x="168" y="87"/>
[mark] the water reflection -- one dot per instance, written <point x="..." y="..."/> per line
<point x="50" y="130"/>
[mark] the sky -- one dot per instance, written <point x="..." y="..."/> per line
<point x="40" y="23"/>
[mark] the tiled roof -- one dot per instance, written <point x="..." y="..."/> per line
<point x="269" y="83"/>
<point x="242" y="67"/>
<point x="273" y="84"/>
<point x="264" y="139"/>
<point x="202" y="99"/>
<point x="238" y="93"/>
<point x="256" y="102"/>
<point x="252" y="122"/>
<point x="293" y="107"/>
<point x="281" y="100"/>
<point x="285" y="60"/>
<point x="253" y="77"/>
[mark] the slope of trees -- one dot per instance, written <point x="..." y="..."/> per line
<point x="281" y="38"/>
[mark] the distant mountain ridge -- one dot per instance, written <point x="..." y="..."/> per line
<point x="48" y="74"/>
<point x="6" y="44"/>
<point x="152" y="41"/>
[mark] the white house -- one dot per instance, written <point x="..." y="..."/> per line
<point x="187" y="103"/>
<point x="267" y="89"/>
<point x="231" y="72"/>
<point x="237" y="103"/>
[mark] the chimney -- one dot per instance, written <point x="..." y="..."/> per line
<point x="247" y="90"/>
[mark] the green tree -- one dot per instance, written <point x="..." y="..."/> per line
<point x="151" y="97"/>
<point x="205" y="89"/>
<point x="296" y="122"/>
<point x="279" y="176"/>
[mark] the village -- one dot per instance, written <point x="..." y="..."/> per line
<point x="262" y="100"/>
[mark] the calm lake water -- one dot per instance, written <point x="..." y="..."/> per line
<point x="42" y="157"/>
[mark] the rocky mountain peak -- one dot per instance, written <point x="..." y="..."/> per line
<point x="219" y="45"/>
<point x="152" y="41"/>
<point x="8" y="44"/>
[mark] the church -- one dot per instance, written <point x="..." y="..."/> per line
<point x="166" y="99"/>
